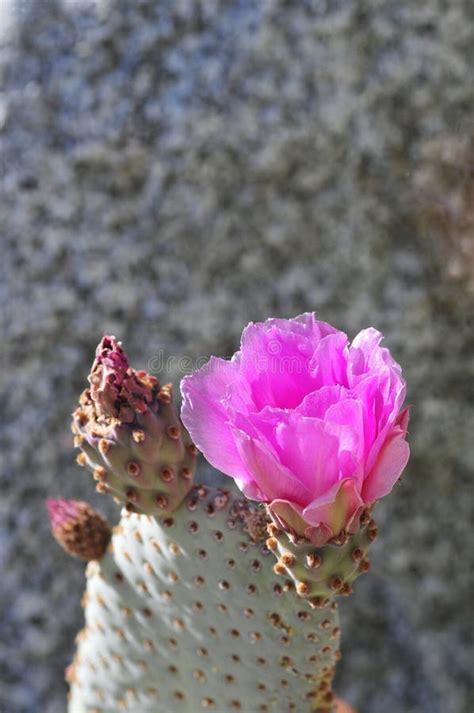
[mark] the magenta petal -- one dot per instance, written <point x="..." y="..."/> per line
<point x="60" y="511"/>
<point x="250" y="489"/>
<point x="306" y="448"/>
<point x="206" y="394"/>
<point x="318" y="534"/>
<point x="391" y="461"/>
<point x="271" y="477"/>
<point x="367" y="392"/>
<point x="279" y="358"/>
<point x="403" y="419"/>
<point x="287" y="516"/>
<point x="317" y="403"/>
<point x="314" y="329"/>
<point x="302" y="445"/>
<point x="366" y="355"/>
<point x="346" y="421"/>
<point x="386" y="415"/>
<point x="335" y="508"/>
<point x="275" y="364"/>
<point x="361" y="351"/>
<point x="329" y="361"/>
<point x="304" y="325"/>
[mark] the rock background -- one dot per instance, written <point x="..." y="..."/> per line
<point x="174" y="169"/>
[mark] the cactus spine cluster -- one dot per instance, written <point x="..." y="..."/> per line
<point x="198" y="600"/>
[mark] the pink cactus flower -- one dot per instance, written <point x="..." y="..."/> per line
<point x="303" y="421"/>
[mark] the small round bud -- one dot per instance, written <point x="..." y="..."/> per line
<point x="78" y="528"/>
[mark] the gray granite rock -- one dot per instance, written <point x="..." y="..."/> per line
<point x="174" y="169"/>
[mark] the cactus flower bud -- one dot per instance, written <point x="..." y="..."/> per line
<point x="130" y="435"/>
<point x="78" y="528"/>
<point x="304" y="422"/>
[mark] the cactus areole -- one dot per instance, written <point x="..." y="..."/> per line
<point x="205" y="598"/>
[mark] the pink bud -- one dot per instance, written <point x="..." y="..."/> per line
<point x="78" y="528"/>
<point x="61" y="511"/>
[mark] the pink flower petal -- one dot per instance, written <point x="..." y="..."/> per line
<point x="275" y="364"/>
<point x="302" y="445"/>
<point x="335" y="508"/>
<point x="206" y="395"/>
<point x="311" y="453"/>
<point x="271" y="477"/>
<point x="329" y="361"/>
<point x="345" y="420"/>
<point x="403" y="419"/>
<point x="366" y="355"/>
<point x="317" y="403"/>
<point x="318" y="534"/>
<point x="390" y="463"/>
<point x="287" y="516"/>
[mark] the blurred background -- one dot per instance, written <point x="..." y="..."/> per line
<point x="172" y="169"/>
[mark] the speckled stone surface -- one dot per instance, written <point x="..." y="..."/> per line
<point x="174" y="169"/>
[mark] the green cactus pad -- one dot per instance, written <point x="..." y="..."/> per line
<point x="185" y="613"/>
